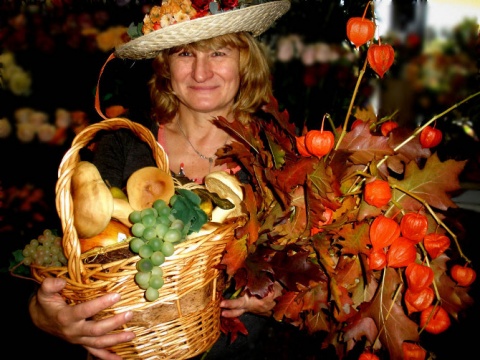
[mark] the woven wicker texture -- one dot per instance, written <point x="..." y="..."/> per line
<point x="254" y="19"/>
<point x="184" y="321"/>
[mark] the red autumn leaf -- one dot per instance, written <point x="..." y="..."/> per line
<point x="235" y="255"/>
<point x="288" y="306"/>
<point x="353" y="238"/>
<point x="293" y="266"/>
<point x="343" y="309"/>
<point x="232" y="326"/>
<point x="433" y="183"/>
<point x="363" y="146"/>
<point x="396" y="328"/>
<point x="454" y="298"/>
<point x="256" y="276"/>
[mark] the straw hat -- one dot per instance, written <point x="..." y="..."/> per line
<point x="255" y="19"/>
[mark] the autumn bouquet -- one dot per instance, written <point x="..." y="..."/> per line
<point x="351" y="221"/>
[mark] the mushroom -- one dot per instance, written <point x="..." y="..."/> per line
<point x="148" y="184"/>
<point x="227" y="187"/>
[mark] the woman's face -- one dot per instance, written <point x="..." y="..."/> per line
<point x="206" y="81"/>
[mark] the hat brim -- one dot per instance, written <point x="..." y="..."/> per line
<point x="255" y="19"/>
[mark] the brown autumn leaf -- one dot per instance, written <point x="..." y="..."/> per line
<point x="454" y="298"/>
<point x="354" y="238"/>
<point x="288" y="306"/>
<point x="433" y="183"/>
<point x="386" y="311"/>
<point x="235" y="255"/>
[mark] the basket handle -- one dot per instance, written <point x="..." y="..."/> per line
<point x="64" y="201"/>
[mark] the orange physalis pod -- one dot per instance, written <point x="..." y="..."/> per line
<point x="380" y="58"/>
<point x="383" y="232"/>
<point x="377" y="193"/>
<point x="414" y="226"/>
<point x="435" y="319"/>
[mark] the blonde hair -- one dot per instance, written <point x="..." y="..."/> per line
<point x="255" y="87"/>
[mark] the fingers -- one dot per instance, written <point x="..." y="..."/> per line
<point x="102" y="354"/>
<point x="90" y="308"/>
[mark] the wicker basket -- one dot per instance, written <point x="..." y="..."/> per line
<point x="184" y="321"/>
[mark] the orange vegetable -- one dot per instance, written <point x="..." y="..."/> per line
<point x="435" y="319"/>
<point x="383" y="232"/>
<point x="418" y="276"/>
<point x="436" y="244"/>
<point x="114" y="233"/>
<point x="430" y="137"/>
<point x="414" y="226"/>
<point x="413" y="351"/>
<point x="380" y="58"/>
<point x="463" y="275"/>
<point x="401" y="253"/>
<point x="319" y="142"/>
<point x="377" y="193"/>
<point x="418" y="301"/>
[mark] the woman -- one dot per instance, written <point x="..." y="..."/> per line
<point x="223" y="74"/>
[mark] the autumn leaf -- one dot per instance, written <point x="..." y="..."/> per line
<point x="454" y="298"/>
<point x="386" y="311"/>
<point x="289" y="306"/>
<point x="354" y="238"/>
<point x="232" y="326"/>
<point x="433" y="183"/>
<point x="235" y="255"/>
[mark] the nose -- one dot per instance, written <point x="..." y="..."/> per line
<point x="202" y="68"/>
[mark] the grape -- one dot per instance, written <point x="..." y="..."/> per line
<point x="159" y="204"/>
<point x="46" y="250"/>
<point x="158" y="258"/>
<point x="135" y="216"/>
<point x="145" y="265"/>
<point x="147" y="212"/>
<point x="172" y="235"/>
<point x="156" y="282"/>
<point x="138" y="229"/>
<point x="135" y="244"/>
<point x="151" y="294"/>
<point x="149" y="233"/>
<point x="142" y="278"/>
<point x="145" y="251"/>
<point x="177" y="224"/>
<point x="161" y="230"/>
<point x="164" y="219"/>
<point x="149" y="220"/>
<point x="168" y="248"/>
<point x="155" y="243"/>
<point x="157" y="271"/>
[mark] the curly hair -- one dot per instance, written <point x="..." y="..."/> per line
<point x="255" y="87"/>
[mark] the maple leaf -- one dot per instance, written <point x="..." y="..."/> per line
<point x="386" y="311"/>
<point x="293" y="266"/>
<point x="256" y="276"/>
<point x="288" y="306"/>
<point x="235" y="255"/>
<point x="343" y="309"/>
<point x="354" y="238"/>
<point x="232" y="326"/>
<point x="363" y="146"/>
<point x="454" y="298"/>
<point x="433" y="183"/>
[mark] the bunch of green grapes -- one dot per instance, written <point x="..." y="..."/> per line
<point x="46" y="250"/>
<point x="156" y="230"/>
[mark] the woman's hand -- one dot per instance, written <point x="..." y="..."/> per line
<point x="52" y="314"/>
<point x="251" y="304"/>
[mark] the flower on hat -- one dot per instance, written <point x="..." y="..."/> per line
<point x="169" y="13"/>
